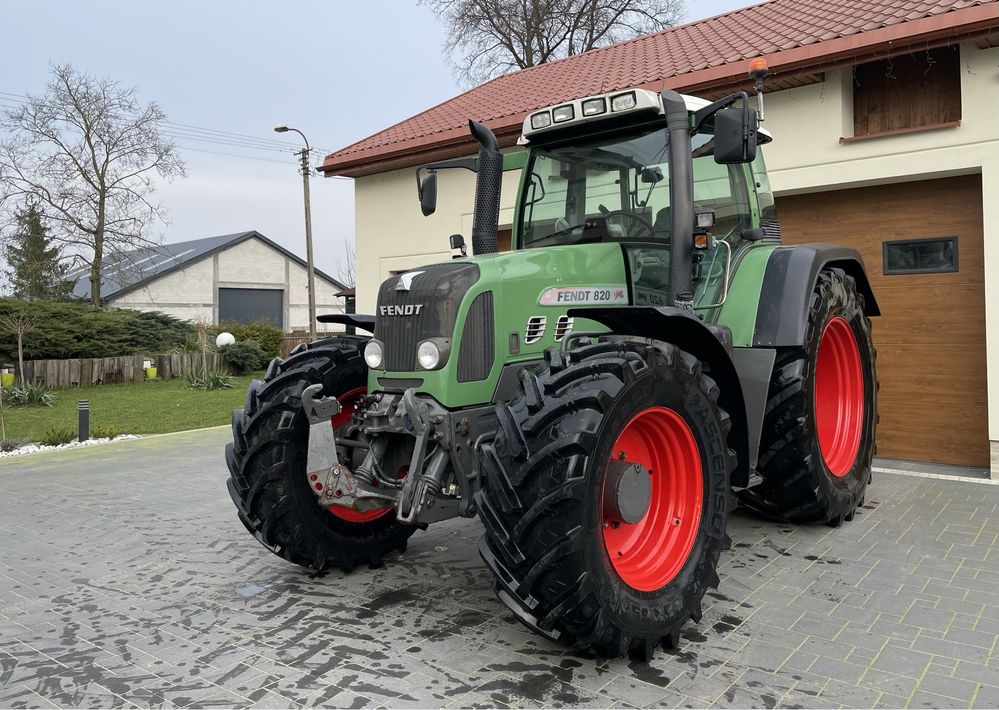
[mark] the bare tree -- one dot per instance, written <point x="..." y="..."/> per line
<point x="345" y="266"/>
<point x="87" y="150"/>
<point x="19" y="324"/>
<point x="486" y="38"/>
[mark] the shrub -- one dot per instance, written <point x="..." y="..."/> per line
<point x="28" y="395"/>
<point x="55" y="437"/>
<point x="244" y="356"/>
<point x="104" y="432"/>
<point x="199" y="379"/>
<point x="264" y="332"/>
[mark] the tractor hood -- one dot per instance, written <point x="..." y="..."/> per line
<point x="486" y="312"/>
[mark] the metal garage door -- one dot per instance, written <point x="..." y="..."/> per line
<point x="931" y="336"/>
<point x="245" y="305"/>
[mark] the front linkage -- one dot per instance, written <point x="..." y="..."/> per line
<point x="441" y="475"/>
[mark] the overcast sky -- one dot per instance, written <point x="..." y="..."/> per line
<point x="338" y="71"/>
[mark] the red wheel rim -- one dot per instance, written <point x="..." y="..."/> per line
<point x="347" y="403"/>
<point x="647" y="555"/>
<point x="839" y="396"/>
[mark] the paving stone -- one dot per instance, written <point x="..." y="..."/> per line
<point x="902" y="662"/>
<point x="973" y="638"/>
<point x="920" y="617"/>
<point x="954" y="688"/>
<point x="838" y="670"/>
<point x="888" y="682"/>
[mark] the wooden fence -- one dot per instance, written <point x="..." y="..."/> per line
<point x="111" y="370"/>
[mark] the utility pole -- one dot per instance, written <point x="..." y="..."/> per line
<point x="306" y="173"/>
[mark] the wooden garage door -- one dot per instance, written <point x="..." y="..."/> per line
<point x="931" y="335"/>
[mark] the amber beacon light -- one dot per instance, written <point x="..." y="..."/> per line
<point x="758" y="71"/>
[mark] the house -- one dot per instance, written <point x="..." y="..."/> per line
<point x="233" y="277"/>
<point x="886" y="139"/>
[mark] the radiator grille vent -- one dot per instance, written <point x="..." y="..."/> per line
<point x="536" y="326"/>
<point x="562" y="327"/>
<point x="478" y="349"/>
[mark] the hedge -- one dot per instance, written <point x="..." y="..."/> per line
<point x="72" y="329"/>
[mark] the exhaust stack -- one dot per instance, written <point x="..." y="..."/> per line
<point x="485" y="220"/>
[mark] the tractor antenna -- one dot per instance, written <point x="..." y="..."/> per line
<point x="758" y="71"/>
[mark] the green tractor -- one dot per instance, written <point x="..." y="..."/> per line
<point x="600" y="396"/>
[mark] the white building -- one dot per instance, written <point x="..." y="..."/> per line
<point x="234" y="277"/>
<point x="886" y="138"/>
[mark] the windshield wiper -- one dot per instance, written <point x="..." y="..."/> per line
<point x="567" y="230"/>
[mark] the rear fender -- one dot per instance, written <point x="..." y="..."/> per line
<point x="788" y="283"/>
<point x="710" y="344"/>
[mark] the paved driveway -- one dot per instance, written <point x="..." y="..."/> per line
<point x="127" y="579"/>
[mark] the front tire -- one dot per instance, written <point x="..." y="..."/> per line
<point x="267" y="464"/>
<point x="817" y="442"/>
<point x="561" y="564"/>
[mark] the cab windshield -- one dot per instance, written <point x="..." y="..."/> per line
<point x="602" y="190"/>
<point x="616" y="188"/>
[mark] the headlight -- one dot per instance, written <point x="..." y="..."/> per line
<point x="541" y="120"/>
<point x="594" y="107"/>
<point x="563" y="113"/>
<point x="373" y="354"/>
<point x="623" y="102"/>
<point x="428" y="355"/>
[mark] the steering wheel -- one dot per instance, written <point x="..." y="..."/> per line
<point x="645" y="228"/>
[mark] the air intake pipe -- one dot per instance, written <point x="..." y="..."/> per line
<point x="681" y="199"/>
<point x="485" y="221"/>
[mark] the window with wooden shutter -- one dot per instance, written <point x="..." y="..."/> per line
<point x="919" y="90"/>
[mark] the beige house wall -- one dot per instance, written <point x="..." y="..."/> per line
<point x="805" y="156"/>
<point x="191" y="293"/>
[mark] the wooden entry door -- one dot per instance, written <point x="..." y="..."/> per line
<point x="930" y="337"/>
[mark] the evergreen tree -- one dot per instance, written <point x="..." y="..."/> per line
<point x="36" y="270"/>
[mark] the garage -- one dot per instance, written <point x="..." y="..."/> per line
<point x="246" y="305"/>
<point x="922" y="244"/>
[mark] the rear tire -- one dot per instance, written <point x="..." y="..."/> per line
<point x="267" y="463"/>
<point x="556" y="559"/>
<point x="818" y="433"/>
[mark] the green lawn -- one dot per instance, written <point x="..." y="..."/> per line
<point x="139" y="408"/>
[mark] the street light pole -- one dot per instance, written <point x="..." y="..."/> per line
<point x="306" y="172"/>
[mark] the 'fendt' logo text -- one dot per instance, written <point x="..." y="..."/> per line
<point x="410" y="310"/>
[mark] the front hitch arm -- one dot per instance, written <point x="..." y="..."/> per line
<point x="328" y="478"/>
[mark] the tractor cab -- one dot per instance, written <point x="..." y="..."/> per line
<point x="590" y="181"/>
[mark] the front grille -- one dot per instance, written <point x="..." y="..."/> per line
<point x="438" y="290"/>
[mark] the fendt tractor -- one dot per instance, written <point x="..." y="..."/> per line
<point x="600" y="395"/>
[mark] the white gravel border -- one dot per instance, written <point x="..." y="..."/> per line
<point x="39" y="448"/>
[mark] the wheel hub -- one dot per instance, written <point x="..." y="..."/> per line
<point x="627" y="492"/>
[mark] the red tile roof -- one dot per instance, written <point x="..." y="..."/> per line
<point x="796" y="36"/>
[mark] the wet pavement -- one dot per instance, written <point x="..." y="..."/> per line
<point x="126" y="579"/>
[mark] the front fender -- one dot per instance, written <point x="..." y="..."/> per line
<point x="710" y="344"/>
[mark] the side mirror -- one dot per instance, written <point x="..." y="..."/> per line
<point x="427" y="191"/>
<point x="458" y="242"/>
<point x="651" y="176"/>
<point x="735" y="135"/>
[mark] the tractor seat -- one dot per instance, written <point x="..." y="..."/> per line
<point x="662" y="228"/>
